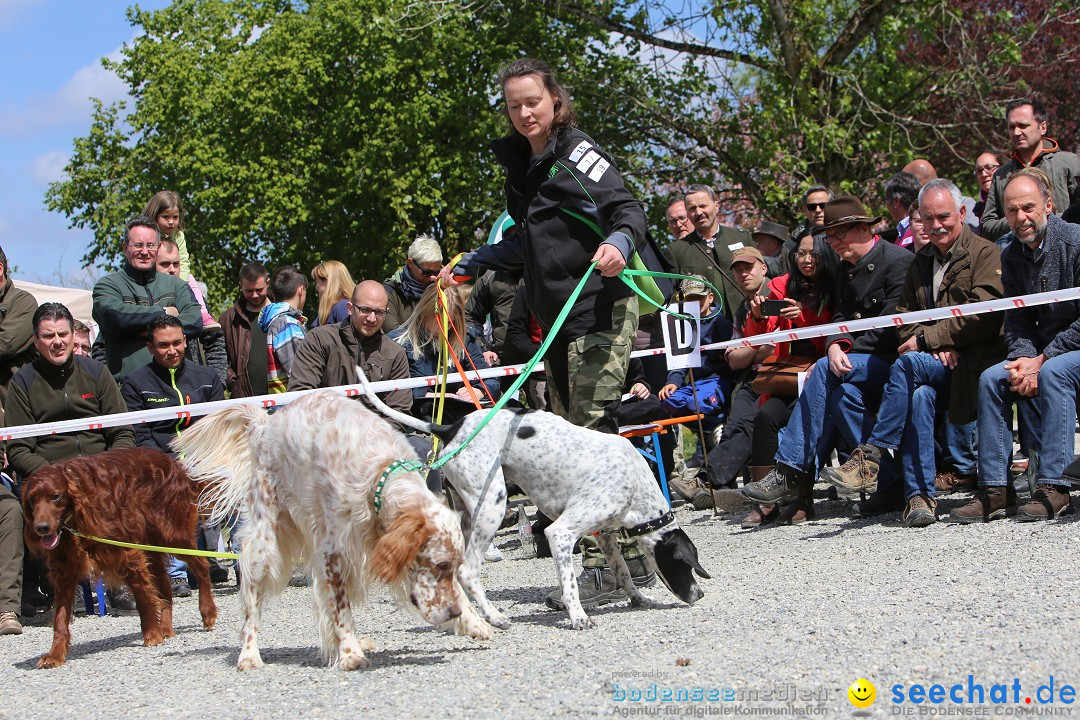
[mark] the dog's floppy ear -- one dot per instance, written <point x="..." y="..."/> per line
<point x="398" y="547"/>
<point x="684" y="550"/>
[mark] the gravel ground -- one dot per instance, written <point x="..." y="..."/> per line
<point x="791" y="611"/>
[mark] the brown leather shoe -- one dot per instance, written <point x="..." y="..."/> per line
<point x="1048" y="502"/>
<point x="947" y="483"/>
<point x="760" y="515"/>
<point x="797" y="512"/>
<point x="988" y="503"/>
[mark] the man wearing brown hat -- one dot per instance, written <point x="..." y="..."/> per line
<point x="846" y="384"/>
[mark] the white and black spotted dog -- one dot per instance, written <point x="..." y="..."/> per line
<point x="590" y="481"/>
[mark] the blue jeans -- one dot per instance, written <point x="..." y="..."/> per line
<point x="905" y="420"/>
<point x="1059" y="382"/>
<point x="843" y="400"/>
<point x="959" y="447"/>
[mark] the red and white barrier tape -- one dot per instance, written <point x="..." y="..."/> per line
<point x="814" y="331"/>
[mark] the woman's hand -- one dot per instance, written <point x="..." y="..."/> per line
<point x="793" y="310"/>
<point x="609" y="261"/>
<point x="640" y="390"/>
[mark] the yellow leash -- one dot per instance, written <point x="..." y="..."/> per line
<point x="155" y="548"/>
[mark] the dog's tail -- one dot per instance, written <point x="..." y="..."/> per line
<point x="398" y="417"/>
<point x="217" y="453"/>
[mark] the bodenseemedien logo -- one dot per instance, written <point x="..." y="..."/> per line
<point x="862" y="693"/>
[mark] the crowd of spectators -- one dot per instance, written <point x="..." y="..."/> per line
<point x="894" y="417"/>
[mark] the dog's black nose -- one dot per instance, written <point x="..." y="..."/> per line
<point x="42" y="528"/>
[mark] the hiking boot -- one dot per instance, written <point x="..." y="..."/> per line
<point x="596" y="586"/>
<point x="920" y="511"/>
<point x="988" y="503"/>
<point x="121" y="601"/>
<point x="780" y="485"/>
<point x="9" y="624"/>
<point x="883" y="500"/>
<point x="947" y="483"/>
<point x="859" y="474"/>
<point x="218" y="574"/>
<point x="180" y="588"/>
<point x="703" y="499"/>
<point x="1048" y="502"/>
<point x="686" y="486"/>
<point x="760" y="515"/>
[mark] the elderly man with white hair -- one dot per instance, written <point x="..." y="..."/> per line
<point x="937" y="357"/>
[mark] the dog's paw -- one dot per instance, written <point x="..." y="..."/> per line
<point x="249" y="663"/>
<point x="48" y="662"/>
<point x="643" y="602"/>
<point x="583" y="623"/>
<point x="353" y="661"/>
<point x="209" y="618"/>
<point x="150" y="639"/>
<point x="473" y="626"/>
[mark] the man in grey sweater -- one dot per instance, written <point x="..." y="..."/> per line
<point x="1043" y="254"/>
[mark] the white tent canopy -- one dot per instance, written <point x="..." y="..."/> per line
<point x="79" y="302"/>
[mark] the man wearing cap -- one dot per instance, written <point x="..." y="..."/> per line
<point x="774" y="241"/>
<point x="707" y="251"/>
<point x="847" y="383"/>
<point x="940" y="357"/>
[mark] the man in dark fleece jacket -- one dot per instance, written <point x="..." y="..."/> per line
<point x="1044" y="358"/>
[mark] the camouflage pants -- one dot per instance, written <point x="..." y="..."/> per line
<point x="593" y="376"/>
<point x="595" y="369"/>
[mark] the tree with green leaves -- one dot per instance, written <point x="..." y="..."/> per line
<point x="303" y="131"/>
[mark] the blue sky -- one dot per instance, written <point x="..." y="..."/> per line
<point x="50" y="55"/>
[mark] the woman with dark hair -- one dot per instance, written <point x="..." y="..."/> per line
<point x="808" y="290"/>
<point x="570" y="209"/>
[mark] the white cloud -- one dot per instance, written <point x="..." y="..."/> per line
<point x="69" y="105"/>
<point x="48" y="167"/>
<point x="10" y="10"/>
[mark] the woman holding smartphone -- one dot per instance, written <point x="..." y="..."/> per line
<point x="802" y="298"/>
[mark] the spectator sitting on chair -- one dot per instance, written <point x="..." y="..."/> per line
<point x="59" y="385"/>
<point x="844" y="387"/>
<point x="169" y="380"/>
<point x="710" y="392"/>
<point x="938" y="358"/>
<point x="754" y="423"/>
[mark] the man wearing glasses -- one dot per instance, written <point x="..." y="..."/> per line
<point x="127" y="300"/>
<point x="329" y="354"/>
<point x="846" y="385"/>
<point x="405" y="287"/>
<point x="985" y="166"/>
<point x="813" y="208"/>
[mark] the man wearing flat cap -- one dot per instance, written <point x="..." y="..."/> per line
<point x="847" y="383"/>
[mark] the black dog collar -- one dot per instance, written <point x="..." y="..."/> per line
<point x="652" y="525"/>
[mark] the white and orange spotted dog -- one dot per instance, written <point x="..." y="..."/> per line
<point x="306" y="481"/>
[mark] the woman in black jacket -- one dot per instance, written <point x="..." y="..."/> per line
<point x="570" y="208"/>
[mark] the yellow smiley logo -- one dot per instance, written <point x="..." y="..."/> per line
<point x="862" y="693"/>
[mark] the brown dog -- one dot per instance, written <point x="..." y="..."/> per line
<point x="136" y="495"/>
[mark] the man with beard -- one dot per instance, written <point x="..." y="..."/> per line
<point x="1043" y="254"/>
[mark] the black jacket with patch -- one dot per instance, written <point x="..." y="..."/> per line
<point x="565" y="203"/>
